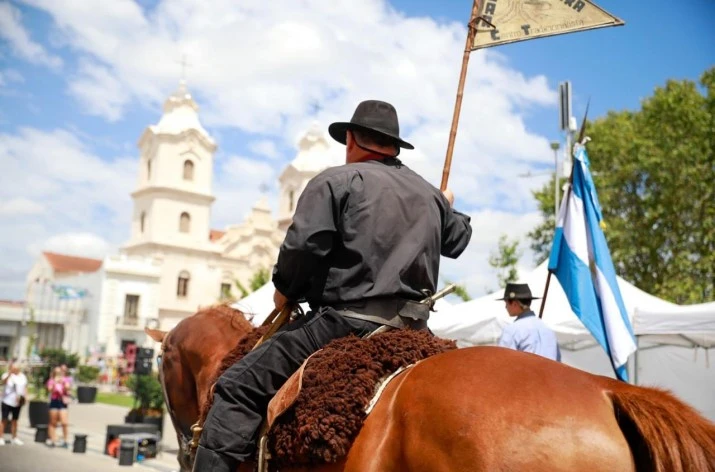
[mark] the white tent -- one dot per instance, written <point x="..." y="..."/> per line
<point x="481" y="321"/>
<point x="673" y="340"/>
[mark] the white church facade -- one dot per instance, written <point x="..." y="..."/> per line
<point x="173" y="262"/>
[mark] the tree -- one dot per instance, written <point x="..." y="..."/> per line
<point x="654" y="170"/>
<point x="259" y="279"/>
<point x="460" y="291"/>
<point x="505" y="259"/>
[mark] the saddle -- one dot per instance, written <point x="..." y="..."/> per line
<point x="316" y="415"/>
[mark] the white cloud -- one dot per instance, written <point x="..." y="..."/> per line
<point x="99" y="91"/>
<point x="12" y="31"/>
<point x="269" y="69"/>
<point x="78" y="244"/>
<point x="472" y="268"/>
<point x="58" y="186"/>
<point x="10" y="75"/>
<point x="21" y="206"/>
<point x="237" y="188"/>
<point x="265" y="148"/>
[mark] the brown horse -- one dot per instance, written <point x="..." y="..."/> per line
<point x="475" y="409"/>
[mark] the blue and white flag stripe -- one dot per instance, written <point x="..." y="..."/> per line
<point x="581" y="262"/>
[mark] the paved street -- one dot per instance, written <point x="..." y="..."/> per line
<point x="90" y="419"/>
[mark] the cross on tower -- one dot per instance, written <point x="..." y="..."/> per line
<point x="184" y="65"/>
<point x="264" y="188"/>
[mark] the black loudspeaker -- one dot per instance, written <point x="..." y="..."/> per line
<point x="145" y="353"/>
<point x="142" y="366"/>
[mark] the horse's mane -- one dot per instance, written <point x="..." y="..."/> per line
<point x="244" y="345"/>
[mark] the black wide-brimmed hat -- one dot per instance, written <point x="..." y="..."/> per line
<point x="371" y="115"/>
<point x="517" y="292"/>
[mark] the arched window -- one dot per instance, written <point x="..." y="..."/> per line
<point x="184" y="222"/>
<point x="148" y="169"/>
<point x="291" y="200"/>
<point x="142" y="220"/>
<point x="182" y="287"/>
<point x="188" y="170"/>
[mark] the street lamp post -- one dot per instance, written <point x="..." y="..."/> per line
<point x="555" y="145"/>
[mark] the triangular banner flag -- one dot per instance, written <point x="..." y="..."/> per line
<point x="521" y="20"/>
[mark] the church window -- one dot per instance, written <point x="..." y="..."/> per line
<point x="188" y="170"/>
<point x="148" y="169"/>
<point x="291" y="200"/>
<point x="225" y="290"/>
<point x="182" y="287"/>
<point x="142" y="220"/>
<point x="184" y="222"/>
<point x="131" y="309"/>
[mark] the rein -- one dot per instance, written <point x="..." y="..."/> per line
<point x="185" y="436"/>
<point x="277" y="319"/>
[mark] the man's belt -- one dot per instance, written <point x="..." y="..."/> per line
<point x="395" y="312"/>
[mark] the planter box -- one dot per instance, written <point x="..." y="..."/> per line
<point x="39" y="412"/>
<point x="86" y="394"/>
<point x="137" y="418"/>
<point x="155" y="420"/>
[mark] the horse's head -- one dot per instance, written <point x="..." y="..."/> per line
<point x="189" y="357"/>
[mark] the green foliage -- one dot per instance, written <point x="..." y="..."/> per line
<point x="147" y="389"/>
<point x="506" y="258"/>
<point x="50" y="358"/>
<point x="654" y="170"/>
<point x="460" y="291"/>
<point x="87" y="374"/>
<point x="259" y="279"/>
<point x="241" y="289"/>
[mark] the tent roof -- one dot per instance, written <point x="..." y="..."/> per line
<point x="482" y="320"/>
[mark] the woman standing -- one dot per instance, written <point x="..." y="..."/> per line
<point x="59" y="388"/>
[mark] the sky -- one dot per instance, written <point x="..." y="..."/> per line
<point x="79" y="84"/>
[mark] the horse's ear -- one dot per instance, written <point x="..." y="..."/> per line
<point x="156" y="334"/>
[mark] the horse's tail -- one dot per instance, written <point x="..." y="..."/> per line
<point x="664" y="434"/>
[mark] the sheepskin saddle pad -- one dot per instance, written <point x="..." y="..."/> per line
<point x="315" y="418"/>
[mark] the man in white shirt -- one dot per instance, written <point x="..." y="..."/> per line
<point x="14" y="385"/>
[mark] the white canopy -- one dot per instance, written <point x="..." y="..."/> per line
<point x="482" y="320"/>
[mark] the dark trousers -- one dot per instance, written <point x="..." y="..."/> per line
<point x="242" y="393"/>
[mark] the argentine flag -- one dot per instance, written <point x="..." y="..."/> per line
<point x="65" y="292"/>
<point x="581" y="262"/>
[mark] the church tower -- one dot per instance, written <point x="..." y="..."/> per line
<point x="314" y="156"/>
<point x="172" y="202"/>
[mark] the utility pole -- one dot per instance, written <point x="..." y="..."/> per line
<point x="555" y="145"/>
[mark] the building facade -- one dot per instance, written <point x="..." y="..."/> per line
<point x="173" y="263"/>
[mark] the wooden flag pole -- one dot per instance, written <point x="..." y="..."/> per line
<point x="581" y="135"/>
<point x="471" y="32"/>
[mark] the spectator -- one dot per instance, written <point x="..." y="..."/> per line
<point x="59" y="388"/>
<point x="14" y="385"/>
<point x="528" y="333"/>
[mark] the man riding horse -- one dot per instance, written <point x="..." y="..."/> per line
<point x="363" y="250"/>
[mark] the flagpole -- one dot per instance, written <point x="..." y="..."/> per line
<point x="581" y="136"/>
<point x="471" y="32"/>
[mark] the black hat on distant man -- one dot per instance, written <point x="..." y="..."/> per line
<point x="517" y="292"/>
<point x="374" y="116"/>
